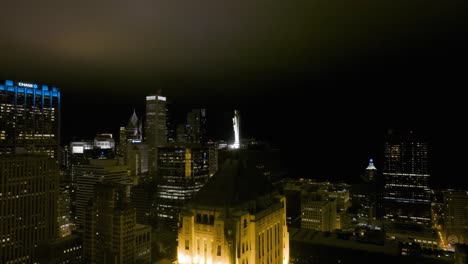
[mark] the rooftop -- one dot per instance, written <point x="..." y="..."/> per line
<point x="236" y="182"/>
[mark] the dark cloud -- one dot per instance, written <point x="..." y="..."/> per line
<point x="147" y="39"/>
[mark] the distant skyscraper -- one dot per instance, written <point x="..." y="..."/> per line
<point x="131" y="133"/>
<point x="133" y="128"/>
<point x="181" y="134"/>
<point x="183" y="170"/>
<point x="364" y="196"/>
<point x="196" y="126"/>
<point x="371" y="172"/>
<point x="87" y="176"/>
<point x="407" y="194"/>
<point x="155" y="129"/>
<point x="109" y="233"/>
<point x="28" y="195"/>
<point x="455" y="225"/>
<point x="236" y="126"/>
<point x="171" y="125"/>
<point x="30" y="118"/>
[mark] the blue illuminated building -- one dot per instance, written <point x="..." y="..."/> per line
<point x="29" y="118"/>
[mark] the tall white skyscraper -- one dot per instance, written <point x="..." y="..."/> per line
<point x="236" y="126"/>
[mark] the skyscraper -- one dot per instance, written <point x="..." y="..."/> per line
<point x="235" y="218"/>
<point x="130" y="133"/>
<point x="196" y="126"/>
<point x="29" y="118"/>
<point x="28" y="197"/>
<point x="183" y="170"/>
<point x="364" y="195"/>
<point x="155" y="129"/>
<point x="406" y="194"/>
<point x="109" y="234"/>
<point x="456" y="217"/>
<point x="87" y="176"/>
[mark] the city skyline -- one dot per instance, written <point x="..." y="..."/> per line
<point x="223" y="132"/>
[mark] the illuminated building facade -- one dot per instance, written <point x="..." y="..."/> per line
<point x="29" y="118"/>
<point x="109" y="233"/>
<point x="235" y="218"/>
<point x="155" y="129"/>
<point x="28" y="215"/>
<point x="236" y="127"/>
<point x="183" y="170"/>
<point x="455" y="224"/>
<point x="407" y="195"/>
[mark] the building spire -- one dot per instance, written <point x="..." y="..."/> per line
<point x="371" y="165"/>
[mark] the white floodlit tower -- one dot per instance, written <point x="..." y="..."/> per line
<point x="236" y="126"/>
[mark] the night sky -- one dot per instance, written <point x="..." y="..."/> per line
<point x="322" y="80"/>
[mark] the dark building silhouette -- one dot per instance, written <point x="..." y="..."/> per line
<point x="29" y="187"/>
<point x="406" y="194"/>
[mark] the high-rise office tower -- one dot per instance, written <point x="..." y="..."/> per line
<point x="196" y="126"/>
<point x="235" y="218"/>
<point x="406" y="194"/>
<point x="183" y="170"/>
<point x="155" y="129"/>
<point x="28" y="197"/>
<point x="30" y="118"/>
<point x="364" y="195"/>
<point x="131" y="133"/>
<point x="133" y="128"/>
<point x="171" y="125"/>
<point x="109" y="233"/>
<point x="87" y="176"/>
<point x="455" y="225"/>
